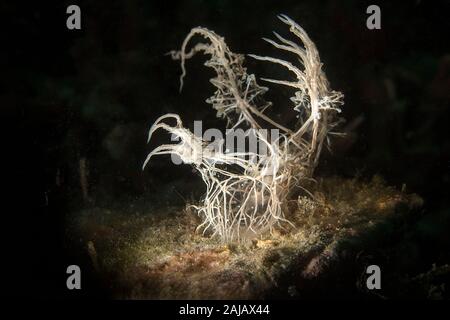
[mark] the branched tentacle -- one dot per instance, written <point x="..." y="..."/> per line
<point x="245" y="191"/>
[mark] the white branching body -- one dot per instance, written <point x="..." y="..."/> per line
<point x="245" y="191"/>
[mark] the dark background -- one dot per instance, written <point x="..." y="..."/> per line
<point x="93" y="94"/>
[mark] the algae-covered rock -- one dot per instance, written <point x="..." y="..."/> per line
<point x="338" y="230"/>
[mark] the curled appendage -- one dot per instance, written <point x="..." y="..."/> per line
<point x="237" y="92"/>
<point x="189" y="149"/>
<point x="313" y="99"/>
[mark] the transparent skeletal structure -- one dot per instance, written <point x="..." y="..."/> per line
<point x="246" y="191"/>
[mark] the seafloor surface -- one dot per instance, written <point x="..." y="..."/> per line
<point x="348" y="224"/>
